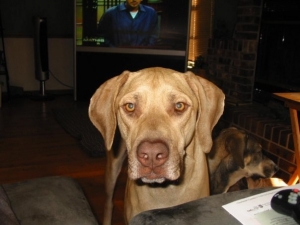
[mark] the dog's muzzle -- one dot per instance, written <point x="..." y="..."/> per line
<point x="152" y="156"/>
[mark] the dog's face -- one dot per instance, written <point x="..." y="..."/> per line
<point x="257" y="164"/>
<point x="157" y="119"/>
<point x="159" y="113"/>
<point x="236" y="155"/>
<point x="247" y="154"/>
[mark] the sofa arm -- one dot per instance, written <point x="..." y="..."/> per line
<point x="49" y="200"/>
<point x="204" y="211"/>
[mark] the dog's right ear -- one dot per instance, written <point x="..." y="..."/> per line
<point x="102" y="108"/>
<point x="236" y="145"/>
<point x="211" y="106"/>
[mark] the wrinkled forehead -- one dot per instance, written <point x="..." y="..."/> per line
<point x="156" y="82"/>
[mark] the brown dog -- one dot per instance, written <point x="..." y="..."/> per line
<point x="165" y="119"/>
<point x="236" y="155"/>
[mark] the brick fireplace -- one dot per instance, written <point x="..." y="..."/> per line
<point x="232" y="62"/>
<point x="232" y="65"/>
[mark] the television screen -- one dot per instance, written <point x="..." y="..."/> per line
<point x="160" y="26"/>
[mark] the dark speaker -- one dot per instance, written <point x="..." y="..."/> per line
<point x="41" y="48"/>
<point x="40" y="39"/>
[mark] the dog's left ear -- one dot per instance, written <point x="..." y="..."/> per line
<point x="211" y="106"/>
<point x="235" y="144"/>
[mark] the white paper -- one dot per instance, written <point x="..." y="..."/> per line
<point x="256" y="210"/>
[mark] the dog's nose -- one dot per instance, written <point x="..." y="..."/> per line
<point x="152" y="154"/>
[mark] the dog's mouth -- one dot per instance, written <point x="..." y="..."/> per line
<point x="159" y="183"/>
<point x="157" y="175"/>
<point x="153" y="180"/>
<point x="150" y="174"/>
<point x="154" y="163"/>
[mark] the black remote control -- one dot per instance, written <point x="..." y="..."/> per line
<point x="287" y="202"/>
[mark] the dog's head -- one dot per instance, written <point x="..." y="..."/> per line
<point x="158" y="112"/>
<point x="247" y="154"/>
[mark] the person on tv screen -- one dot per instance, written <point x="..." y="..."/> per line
<point x="129" y="24"/>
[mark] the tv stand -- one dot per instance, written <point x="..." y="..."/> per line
<point x="94" y="68"/>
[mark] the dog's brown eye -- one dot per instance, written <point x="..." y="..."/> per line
<point x="129" y="107"/>
<point x="179" y="106"/>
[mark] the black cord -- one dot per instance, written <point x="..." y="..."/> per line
<point x="59" y="80"/>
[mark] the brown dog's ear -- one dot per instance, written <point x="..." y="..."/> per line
<point x="235" y="144"/>
<point x="102" y="111"/>
<point x="211" y="106"/>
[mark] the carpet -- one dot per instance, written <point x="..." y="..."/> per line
<point x="76" y="122"/>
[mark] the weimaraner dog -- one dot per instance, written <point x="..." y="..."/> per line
<point x="162" y="121"/>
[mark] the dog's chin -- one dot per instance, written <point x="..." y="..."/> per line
<point x="156" y="180"/>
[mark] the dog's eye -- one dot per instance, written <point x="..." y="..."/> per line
<point x="179" y="106"/>
<point x="129" y="107"/>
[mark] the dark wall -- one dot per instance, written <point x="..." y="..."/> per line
<point x="17" y="16"/>
<point x="225" y="18"/>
